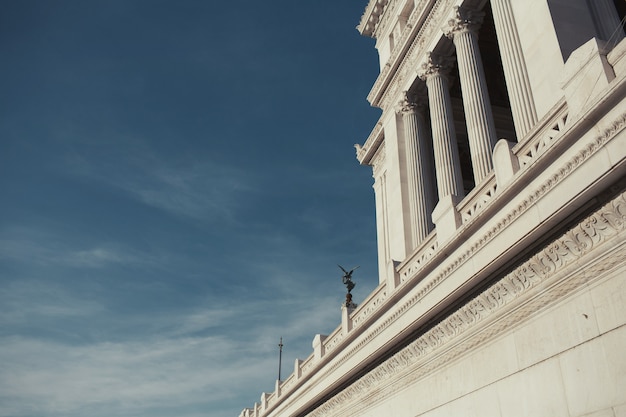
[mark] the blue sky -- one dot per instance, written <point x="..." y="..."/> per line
<point x="178" y="183"/>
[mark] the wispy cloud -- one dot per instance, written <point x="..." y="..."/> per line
<point x="169" y="367"/>
<point x="119" y="378"/>
<point x="199" y="188"/>
<point x="38" y="247"/>
<point x="24" y="302"/>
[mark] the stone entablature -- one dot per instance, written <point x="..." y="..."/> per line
<point x="371" y="16"/>
<point x="423" y="30"/>
<point x="563" y="160"/>
<point x="366" y="152"/>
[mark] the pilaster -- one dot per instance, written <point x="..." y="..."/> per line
<point x="382" y="222"/>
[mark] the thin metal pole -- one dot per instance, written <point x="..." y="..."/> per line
<point x="280" y="356"/>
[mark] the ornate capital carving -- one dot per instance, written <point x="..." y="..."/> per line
<point x="436" y="64"/>
<point x="464" y="20"/>
<point x="410" y="103"/>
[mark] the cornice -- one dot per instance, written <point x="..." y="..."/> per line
<point x="388" y="13"/>
<point x="405" y="58"/>
<point x="365" y="153"/>
<point x="371" y="16"/>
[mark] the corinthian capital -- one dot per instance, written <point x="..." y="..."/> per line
<point x="410" y="103"/>
<point x="436" y="64"/>
<point x="464" y="20"/>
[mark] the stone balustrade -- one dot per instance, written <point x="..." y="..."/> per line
<point x="549" y="130"/>
<point x="478" y="198"/>
<point x="420" y="257"/>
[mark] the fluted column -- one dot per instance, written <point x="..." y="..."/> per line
<point x="515" y="71"/>
<point x="607" y="21"/>
<point x="418" y="170"/>
<point x="481" y="130"/>
<point x="447" y="164"/>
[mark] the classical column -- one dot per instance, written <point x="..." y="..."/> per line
<point x="447" y="164"/>
<point x="515" y="71"/>
<point x="418" y="170"/>
<point x="607" y="21"/>
<point x="481" y="130"/>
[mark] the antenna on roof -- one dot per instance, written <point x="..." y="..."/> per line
<point x="280" y="355"/>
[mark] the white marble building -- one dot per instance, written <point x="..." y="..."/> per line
<point x="499" y="166"/>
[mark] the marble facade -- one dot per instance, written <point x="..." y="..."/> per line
<point x="499" y="166"/>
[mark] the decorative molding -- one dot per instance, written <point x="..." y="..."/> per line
<point x="384" y="18"/>
<point x="436" y="64"/>
<point x="478" y="199"/>
<point x="404" y="60"/>
<point x="368" y="308"/>
<point x="535" y="147"/>
<point x="498" y="227"/>
<point x="423" y="254"/>
<point x="563" y="252"/>
<point x="411" y="103"/>
<point x="333" y="340"/>
<point x="548" y="268"/>
<point x="288" y="383"/>
<point x="371" y="17"/>
<point x="307" y="365"/>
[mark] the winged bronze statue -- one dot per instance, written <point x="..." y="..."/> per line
<point x="347" y="278"/>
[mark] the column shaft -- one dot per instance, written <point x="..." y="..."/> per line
<point x="515" y="71"/>
<point x="481" y="130"/>
<point x="418" y="172"/>
<point x="447" y="163"/>
<point x="607" y="21"/>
